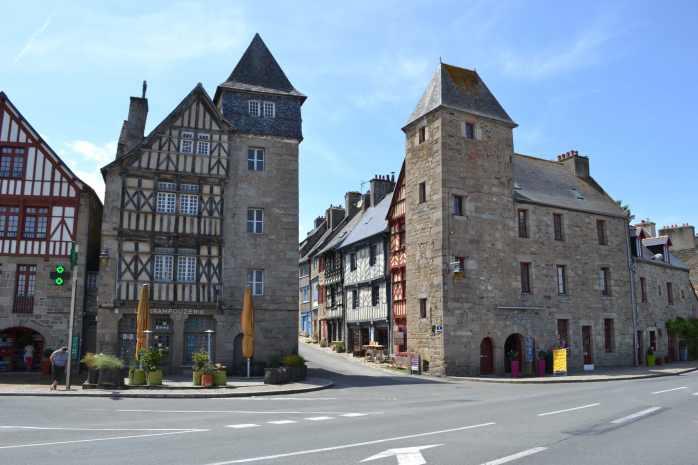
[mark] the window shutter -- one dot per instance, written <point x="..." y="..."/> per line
<point x="478" y="132"/>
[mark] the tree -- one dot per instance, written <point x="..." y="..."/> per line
<point x="626" y="207"/>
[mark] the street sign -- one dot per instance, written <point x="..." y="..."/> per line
<point x="404" y="455"/>
<point x="75" y="348"/>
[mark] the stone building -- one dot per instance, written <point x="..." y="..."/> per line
<point x="663" y="291"/>
<point x="684" y="245"/>
<point x="44" y="210"/>
<point x="202" y="207"/>
<point x="398" y="263"/>
<point x="507" y="254"/>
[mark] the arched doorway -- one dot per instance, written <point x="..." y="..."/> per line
<point x="486" y="357"/>
<point x="513" y="345"/>
<point x="14" y="343"/>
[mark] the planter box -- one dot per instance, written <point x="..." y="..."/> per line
<point x="207" y="379"/>
<point x="196" y="378"/>
<point x="650" y="360"/>
<point x="137" y="377"/>
<point x="110" y="378"/>
<point x="220" y="378"/>
<point x="515" y="369"/>
<point x="276" y="375"/>
<point x="154" y="378"/>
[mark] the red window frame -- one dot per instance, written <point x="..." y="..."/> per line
<point x="10" y="157"/>
<point x="5" y="214"/>
<point x="39" y="218"/>
<point x="25" y="286"/>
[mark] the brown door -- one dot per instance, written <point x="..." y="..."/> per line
<point x="486" y="357"/>
<point x="587" y="345"/>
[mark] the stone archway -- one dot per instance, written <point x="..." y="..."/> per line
<point x="486" y="356"/>
<point x="13" y="345"/>
<point x="513" y="343"/>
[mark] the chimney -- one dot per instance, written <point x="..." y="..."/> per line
<point x="649" y="227"/>
<point x="334" y="215"/>
<point x="380" y="186"/>
<point x="133" y="129"/>
<point x="366" y="200"/>
<point x="576" y="163"/>
<point x="682" y="237"/>
<point x="351" y="199"/>
<point x="318" y="221"/>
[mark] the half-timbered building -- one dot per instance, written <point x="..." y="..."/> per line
<point x="44" y="210"/>
<point x="398" y="262"/>
<point x="202" y="207"/>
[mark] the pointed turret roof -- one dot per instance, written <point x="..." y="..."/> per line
<point x="258" y="71"/>
<point x="460" y="89"/>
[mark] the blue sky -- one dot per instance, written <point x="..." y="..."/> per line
<point x="615" y="81"/>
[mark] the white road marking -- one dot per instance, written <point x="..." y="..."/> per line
<point x="555" y="412"/>
<point x="510" y="458"/>
<point x="353" y="415"/>
<point x="252" y="412"/>
<point x="404" y="455"/>
<point x="267" y="398"/>
<point x="349" y="446"/>
<point x="68" y="428"/>
<point x="58" y="443"/>
<point x="242" y="425"/>
<point x="318" y="418"/>
<point x="639" y="414"/>
<point x="670" y="390"/>
<point x="281" y="422"/>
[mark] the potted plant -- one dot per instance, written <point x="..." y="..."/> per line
<point x="542" y="355"/>
<point x="338" y="346"/>
<point x="513" y="355"/>
<point x="92" y="373"/>
<point x="650" y="357"/>
<point x="220" y="376"/>
<point x="207" y="375"/>
<point x="151" y="364"/>
<point x="295" y="365"/>
<point x="109" y="367"/>
<point x="199" y="359"/>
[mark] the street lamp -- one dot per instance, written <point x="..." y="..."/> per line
<point x="147" y="333"/>
<point x="209" y="333"/>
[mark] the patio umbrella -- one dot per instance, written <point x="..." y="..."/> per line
<point x="142" y="319"/>
<point x="247" y="325"/>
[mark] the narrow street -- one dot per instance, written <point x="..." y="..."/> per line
<point x="369" y="414"/>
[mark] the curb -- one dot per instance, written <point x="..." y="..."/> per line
<point x="564" y="381"/>
<point x="125" y="394"/>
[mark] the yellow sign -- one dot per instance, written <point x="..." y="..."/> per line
<point x="560" y="362"/>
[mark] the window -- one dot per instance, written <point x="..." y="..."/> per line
<point x="523" y="223"/>
<point x="422" y="134"/>
<point x="189" y="204"/>
<point x="563" y="332"/>
<point x="305" y="293"/>
<point x="186" y="142"/>
<point x="91" y="281"/>
<point x="601" y="232"/>
<point x="683" y="296"/>
<point x="609" y="335"/>
<point x="269" y="109"/>
<point x="354" y="298"/>
<point x="372" y="254"/>
<point x="352" y="262"/>
<point x="35" y="223"/>
<point x="196" y="338"/>
<point x="255" y="281"/>
<point x="561" y="279"/>
<point x="375" y="295"/>
<point x="458" y="264"/>
<point x="643" y="290"/>
<point x="557" y="226"/>
<point x="162" y="267"/>
<point x="670" y="293"/>
<point x="333" y="296"/>
<point x="605" y="281"/>
<point x="254" y="107"/>
<point x="458" y="205"/>
<point x="166" y="201"/>
<point x="25" y="285"/>
<point x="203" y="144"/>
<point x="186" y="269"/>
<point x="653" y="340"/>
<point x="422" y="308"/>
<point x="525" y="278"/>
<point x="255" y="159"/>
<point x="469" y="131"/>
<point x="315" y="293"/>
<point x="9" y="222"/>
<point x="12" y="162"/>
<point x="422" y="192"/>
<point x="255" y="220"/>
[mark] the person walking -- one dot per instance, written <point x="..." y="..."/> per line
<point x="59" y="359"/>
<point x="28" y="356"/>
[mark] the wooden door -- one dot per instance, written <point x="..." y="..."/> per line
<point x="587" y="345"/>
<point x="486" y="357"/>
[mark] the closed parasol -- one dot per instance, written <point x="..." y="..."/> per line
<point x="142" y="319"/>
<point x="247" y="325"/>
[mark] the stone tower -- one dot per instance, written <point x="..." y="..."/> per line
<point x="459" y="149"/>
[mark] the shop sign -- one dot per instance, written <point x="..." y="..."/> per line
<point x="182" y="311"/>
<point x="560" y="361"/>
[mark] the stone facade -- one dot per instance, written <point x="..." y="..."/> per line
<point x="684" y="244"/>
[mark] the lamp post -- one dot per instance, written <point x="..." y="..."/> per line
<point x="209" y="334"/>
<point x="147" y="333"/>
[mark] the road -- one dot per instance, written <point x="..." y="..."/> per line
<point x="370" y="416"/>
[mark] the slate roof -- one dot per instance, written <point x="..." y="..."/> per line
<point x="342" y="232"/>
<point x="551" y="183"/>
<point x="373" y="221"/>
<point x="258" y="71"/>
<point x="460" y="89"/>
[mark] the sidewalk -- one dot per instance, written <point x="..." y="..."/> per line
<point x="598" y="375"/>
<point x="237" y="387"/>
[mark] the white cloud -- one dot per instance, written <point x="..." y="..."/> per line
<point x="90" y="151"/>
<point x="92" y="178"/>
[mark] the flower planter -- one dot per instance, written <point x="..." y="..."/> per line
<point x="110" y="378"/>
<point x="541" y="367"/>
<point x="297" y="373"/>
<point x="220" y="378"/>
<point x="207" y="379"/>
<point x="137" y="377"/>
<point x="650" y="360"/>
<point x="196" y="378"/>
<point x="92" y="376"/>
<point x="276" y="375"/>
<point x="154" y="378"/>
<point x="515" y="369"/>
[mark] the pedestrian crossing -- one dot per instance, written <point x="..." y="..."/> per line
<point x="306" y="419"/>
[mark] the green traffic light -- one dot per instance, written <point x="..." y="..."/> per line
<point x="59" y="281"/>
<point x="60" y="269"/>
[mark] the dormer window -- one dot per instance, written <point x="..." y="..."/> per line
<point x="255" y="107"/>
<point x="268" y="109"/>
<point x="186" y="143"/>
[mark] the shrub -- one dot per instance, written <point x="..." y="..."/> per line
<point x="107" y="362"/>
<point x="208" y="369"/>
<point x="323" y="343"/>
<point x="89" y="360"/>
<point x="274" y="361"/>
<point x="338" y="346"/>
<point x="151" y="359"/>
<point x="200" y="359"/>
<point x="293" y="360"/>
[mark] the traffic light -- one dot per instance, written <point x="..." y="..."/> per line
<point x="59" y="275"/>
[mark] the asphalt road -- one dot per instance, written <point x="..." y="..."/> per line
<point x="371" y="417"/>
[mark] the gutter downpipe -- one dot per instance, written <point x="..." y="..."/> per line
<point x="633" y="300"/>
